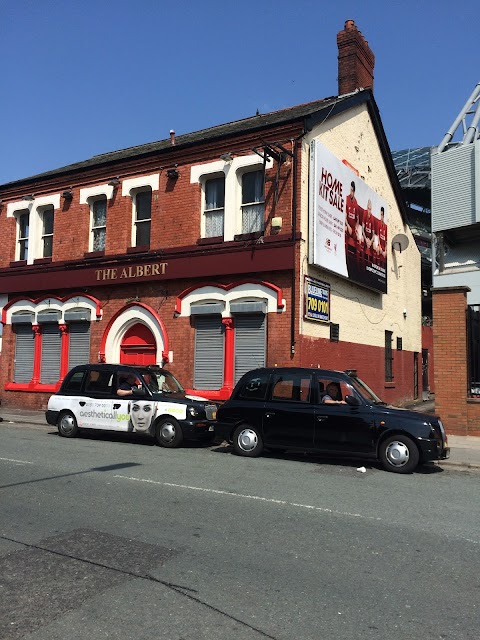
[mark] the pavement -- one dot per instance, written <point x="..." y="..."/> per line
<point x="464" y="450"/>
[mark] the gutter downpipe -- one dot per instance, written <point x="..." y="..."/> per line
<point x="294" y="238"/>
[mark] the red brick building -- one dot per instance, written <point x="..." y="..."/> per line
<point x="204" y="252"/>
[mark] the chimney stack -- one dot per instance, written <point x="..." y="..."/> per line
<point x="355" y="60"/>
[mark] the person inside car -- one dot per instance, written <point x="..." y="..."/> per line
<point x="333" y="392"/>
<point x="128" y="386"/>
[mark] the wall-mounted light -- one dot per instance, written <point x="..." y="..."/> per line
<point x="172" y="174"/>
<point x="226" y="157"/>
<point x="29" y="197"/>
<point x="276" y="224"/>
<point x="114" y="182"/>
<point x="68" y="194"/>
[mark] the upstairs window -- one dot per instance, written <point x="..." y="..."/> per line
<point x="23" y="233"/>
<point x="253" y="202"/>
<point x="47" y="232"/>
<point x="214" y="207"/>
<point x="99" y="224"/>
<point x="143" y="217"/>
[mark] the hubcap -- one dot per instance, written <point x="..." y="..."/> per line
<point x="167" y="431"/>
<point x="67" y="424"/>
<point x="397" y="454"/>
<point x="247" y="440"/>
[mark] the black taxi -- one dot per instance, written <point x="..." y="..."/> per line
<point x="330" y="412"/>
<point x="118" y="397"/>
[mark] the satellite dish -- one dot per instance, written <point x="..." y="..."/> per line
<point x="400" y="242"/>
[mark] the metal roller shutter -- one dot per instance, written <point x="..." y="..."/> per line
<point x="250" y="343"/>
<point x="79" y="344"/>
<point x="24" y="353"/>
<point x="209" y="352"/>
<point x="51" y="353"/>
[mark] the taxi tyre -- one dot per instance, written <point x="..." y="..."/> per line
<point x="67" y="425"/>
<point x="247" y="441"/>
<point x="168" y="433"/>
<point x="399" y="454"/>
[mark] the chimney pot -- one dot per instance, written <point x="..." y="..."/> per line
<point x="172" y="136"/>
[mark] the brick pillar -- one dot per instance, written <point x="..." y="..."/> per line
<point x="450" y="346"/>
<point x="355" y="60"/>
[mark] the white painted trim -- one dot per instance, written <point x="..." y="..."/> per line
<point x="45" y="201"/>
<point x="247" y="291"/>
<point x="50" y="304"/>
<point x="233" y="188"/>
<point x="35" y="222"/>
<point x="152" y="181"/>
<point x="123" y="323"/>
<point x="20" y="205"/>
<point x="99" y="190"/>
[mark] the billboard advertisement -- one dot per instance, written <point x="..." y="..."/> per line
<point x="348" y="222"/>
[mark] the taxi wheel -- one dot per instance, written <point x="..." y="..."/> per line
<point x="247" y="441"/>
<point x="168" y="433"/>
<point x="399" y="454"/>
<point x="67" y="425"/>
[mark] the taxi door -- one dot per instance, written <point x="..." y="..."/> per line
<point x="343" y="427"/>
<point x="288" y="414"/>
<point x="96" y="410"/>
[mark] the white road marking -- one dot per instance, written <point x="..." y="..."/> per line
<point x="17" y="461"/>
<point x="273" y="501"/>
<point x="250" y="497"/>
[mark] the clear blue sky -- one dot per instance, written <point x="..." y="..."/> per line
<point x="83" y="77"/>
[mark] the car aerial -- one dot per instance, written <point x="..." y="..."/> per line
<point x="329" y="412"/>
<point x="127" y="398"/>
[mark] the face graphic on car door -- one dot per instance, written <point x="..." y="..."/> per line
<point x="142" y="414"/>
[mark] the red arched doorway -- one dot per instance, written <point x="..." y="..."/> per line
<point x="138" y="346"/>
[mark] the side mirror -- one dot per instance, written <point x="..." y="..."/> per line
<point x="352" y="401"/>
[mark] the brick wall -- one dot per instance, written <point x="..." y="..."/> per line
<point x="369" y="362"/>
<point x="460" y="414"/>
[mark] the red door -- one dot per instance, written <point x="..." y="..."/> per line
<point x="138" y="346"/>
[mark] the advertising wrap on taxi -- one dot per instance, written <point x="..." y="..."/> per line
<point x="348" y="222"/>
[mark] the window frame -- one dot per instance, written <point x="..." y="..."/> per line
<point x="248" y="171"/>
<point x="93" y="228"/>
<point x="209" y="179"/>
<point x="42" y="211"/>
<point x="143" y="222"/>
<point x="389" y="356"/>
<point x="22" y="245"/>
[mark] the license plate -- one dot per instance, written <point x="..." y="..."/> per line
<point x="210" y="428"/>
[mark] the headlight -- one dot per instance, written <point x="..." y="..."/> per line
<point x="193" y="412"/>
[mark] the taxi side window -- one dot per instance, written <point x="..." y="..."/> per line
<point x="254" y="388"/>
<point x="291" y="387"/>
<point x="98" y="382"/>
<point x="74" y="383"/>
<point x="336" y="389"/>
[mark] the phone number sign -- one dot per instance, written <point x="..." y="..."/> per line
<point x="317" y="300"/>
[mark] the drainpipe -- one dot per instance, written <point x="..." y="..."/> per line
<point x="294" y="235"/>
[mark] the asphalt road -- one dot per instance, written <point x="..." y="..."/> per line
<point x="102" y="537"/>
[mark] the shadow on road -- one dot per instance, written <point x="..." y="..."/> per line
<point x="331" y="461"/>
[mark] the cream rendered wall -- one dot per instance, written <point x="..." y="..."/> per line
<point x="364" y="315"/>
